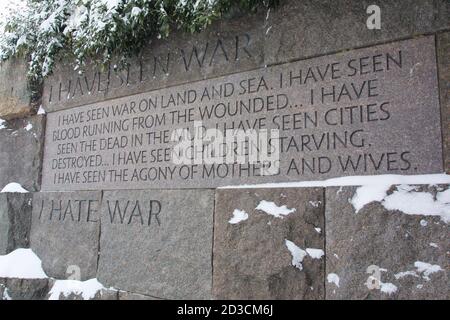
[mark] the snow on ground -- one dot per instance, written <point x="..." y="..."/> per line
<point x="28" y="127"/>
<point x="404" y="199"/>
<point x="333" y="278"/>
<point x="384" y="179"/>
<point x="2" y="124"/>
<point x="13" y="187"/>
<point x="21" y="263"/>
<point x="87" y="289"/>
<point x="272" y="209"/>
<point x="25" y="264"/>
<point x="238" y="216"/>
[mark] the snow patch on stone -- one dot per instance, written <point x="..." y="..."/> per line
<point x="41" y="110"/>
<point x="13" y="187"/>
<point x="297" y="253"/>
<point x="417" y="203"/>
<point x="315" y="253"/>
<point x="23" y="264"/>
<point x="272" y="209"/>
<point x="404" y="199"/>
<point x="315" y="204"/>
<point x="403" y="274"/>
<point x="388" y="288"/>
<point x="424" y="269"/>
<point x="367" y="194"/>
<point x="333" y="278"/>
<point x="427" y="269"/>
<point x="238" y="216"/>
<point x="87" y="289"/>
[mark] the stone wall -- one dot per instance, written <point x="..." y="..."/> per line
<point x="259" y="243"/>
<point x="187" y="239"/>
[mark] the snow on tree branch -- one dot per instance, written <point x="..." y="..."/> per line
<point x="100" y="29"/>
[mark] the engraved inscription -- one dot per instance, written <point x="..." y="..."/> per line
<point x="368" y="111"/>
<point x="134" y="211"/>
<point x="151" y="67"/>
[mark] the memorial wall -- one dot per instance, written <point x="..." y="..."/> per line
<point x="353" y="113"/>
<point x="144" y="176"/>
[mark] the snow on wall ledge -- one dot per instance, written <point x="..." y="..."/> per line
<point x="406" y="199"/>
<point x="382" y="179"/>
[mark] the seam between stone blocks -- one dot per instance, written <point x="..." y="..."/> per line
<point x="10" y="246"/>
<point x="442" y="106"/>
<point x="212" y="242"/>
<point x="99" y="233"/>
<point x="42" y="143"/>
<point x="324" y="192"/>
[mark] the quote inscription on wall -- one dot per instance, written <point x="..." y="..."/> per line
<point x="368" y="111"/>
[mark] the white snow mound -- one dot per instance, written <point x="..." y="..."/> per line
<point x="14" y="187"/>
<point x="23" y="264"/>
